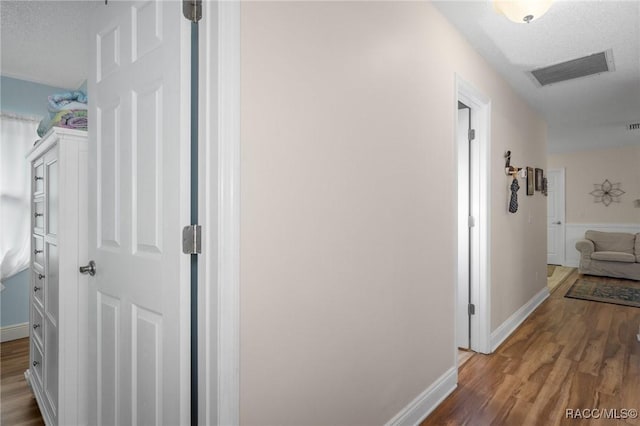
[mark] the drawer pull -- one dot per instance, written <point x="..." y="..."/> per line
<point x="35" y="326"/>
<point x="38" y="214"/>
<point x="36" y="288"/>
<point x="40" y="276"/>
<point x="35" y="363"/>
<point x="36" y="251"/>
<point x="37" y="178"/>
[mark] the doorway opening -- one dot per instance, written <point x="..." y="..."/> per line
<point x="472" y="317"/>
<point x="464" y="141"/>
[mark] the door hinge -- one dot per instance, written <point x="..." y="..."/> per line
<point x="192" y="239"/>
<point x="472" y="222"/>
<point x="472" y="309"/>
<point x="472" y="134"/>
<point x="192" y="10"/>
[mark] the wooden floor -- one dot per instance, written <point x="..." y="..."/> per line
<point x="569" y="354"/>
<point x="464" y="356"/>
<point x="17" y="405"/>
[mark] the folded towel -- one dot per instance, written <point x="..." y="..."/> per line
<point x="74" y="119"/>
<point x="60" y="101"/>
<point x="71" y="119"/>
<point x="73" y="105"/>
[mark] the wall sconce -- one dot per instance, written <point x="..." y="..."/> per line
<point x="522" y="10"/>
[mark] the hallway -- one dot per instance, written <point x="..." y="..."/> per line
<point x="569" y="354"/>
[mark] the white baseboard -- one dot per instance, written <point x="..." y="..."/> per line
<point x="427" y="401"/>
<point x="37" y="392"/>
<point x="13" y="332"/>
<point x="509" y="326"/>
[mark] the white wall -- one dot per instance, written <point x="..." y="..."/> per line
<point x="583" y="169"/>
<point x="348" y="218"/>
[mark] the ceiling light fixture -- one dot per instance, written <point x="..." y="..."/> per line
<point x="522" y="10"/>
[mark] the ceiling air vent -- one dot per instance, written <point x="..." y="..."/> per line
<point x="575" y="68"/>
<point x="634" y="126"/>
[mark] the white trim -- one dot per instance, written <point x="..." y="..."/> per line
<point x="511" y="324"/>
<point x="427" y="401"/>
<point x="219" y="271"/>
<point x="14" y="332"/>
<point x="575" y="232"/>
<point x="481" y="274"/>
<point x="229" y="214"/>
<point x="44" y="412"/>
<point x="207" y="206"/>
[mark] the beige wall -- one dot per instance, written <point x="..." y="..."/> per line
<point x="348" y="207"/>
<point x="585" y="168"/>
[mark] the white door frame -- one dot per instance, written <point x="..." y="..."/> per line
<point x="480" y="271"/>
<point x="219" y="214"/>
<point x="560" y="189"/>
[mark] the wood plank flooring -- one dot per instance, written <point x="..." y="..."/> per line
<point x="569" y="354"/>
<point x="18" y="406"/>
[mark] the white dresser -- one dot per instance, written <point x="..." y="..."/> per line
<point x="57" y="362"/>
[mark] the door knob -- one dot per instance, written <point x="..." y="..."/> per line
<point x="89" y="269"/>
<point x="557" y="223"/>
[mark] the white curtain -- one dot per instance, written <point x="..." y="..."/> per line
<point x="17" y="135"/>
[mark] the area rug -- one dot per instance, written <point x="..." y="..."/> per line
<point x="558" y="275"/>
<point x="618" y="292"/>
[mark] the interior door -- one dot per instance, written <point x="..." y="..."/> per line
<point x="138" y="300"/>
<point x="464" y="211"/>
<point x="555" y="217"/>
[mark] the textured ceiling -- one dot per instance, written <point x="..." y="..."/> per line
<point x="45" y="41"/>
<point x="585" y="113"/>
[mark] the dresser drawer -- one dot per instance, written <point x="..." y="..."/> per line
<point x="37" y="322"/>
<point x="38" y="283"/>
<point x="38" y="216"/>
<point x="38" y="250"/>
<point x="36" y="362"/>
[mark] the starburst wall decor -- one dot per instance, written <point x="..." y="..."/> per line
<point x="607" y="192"/>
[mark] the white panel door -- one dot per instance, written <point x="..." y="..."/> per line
<point x="555" y="217"/>
<point x="139" y="200"/>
